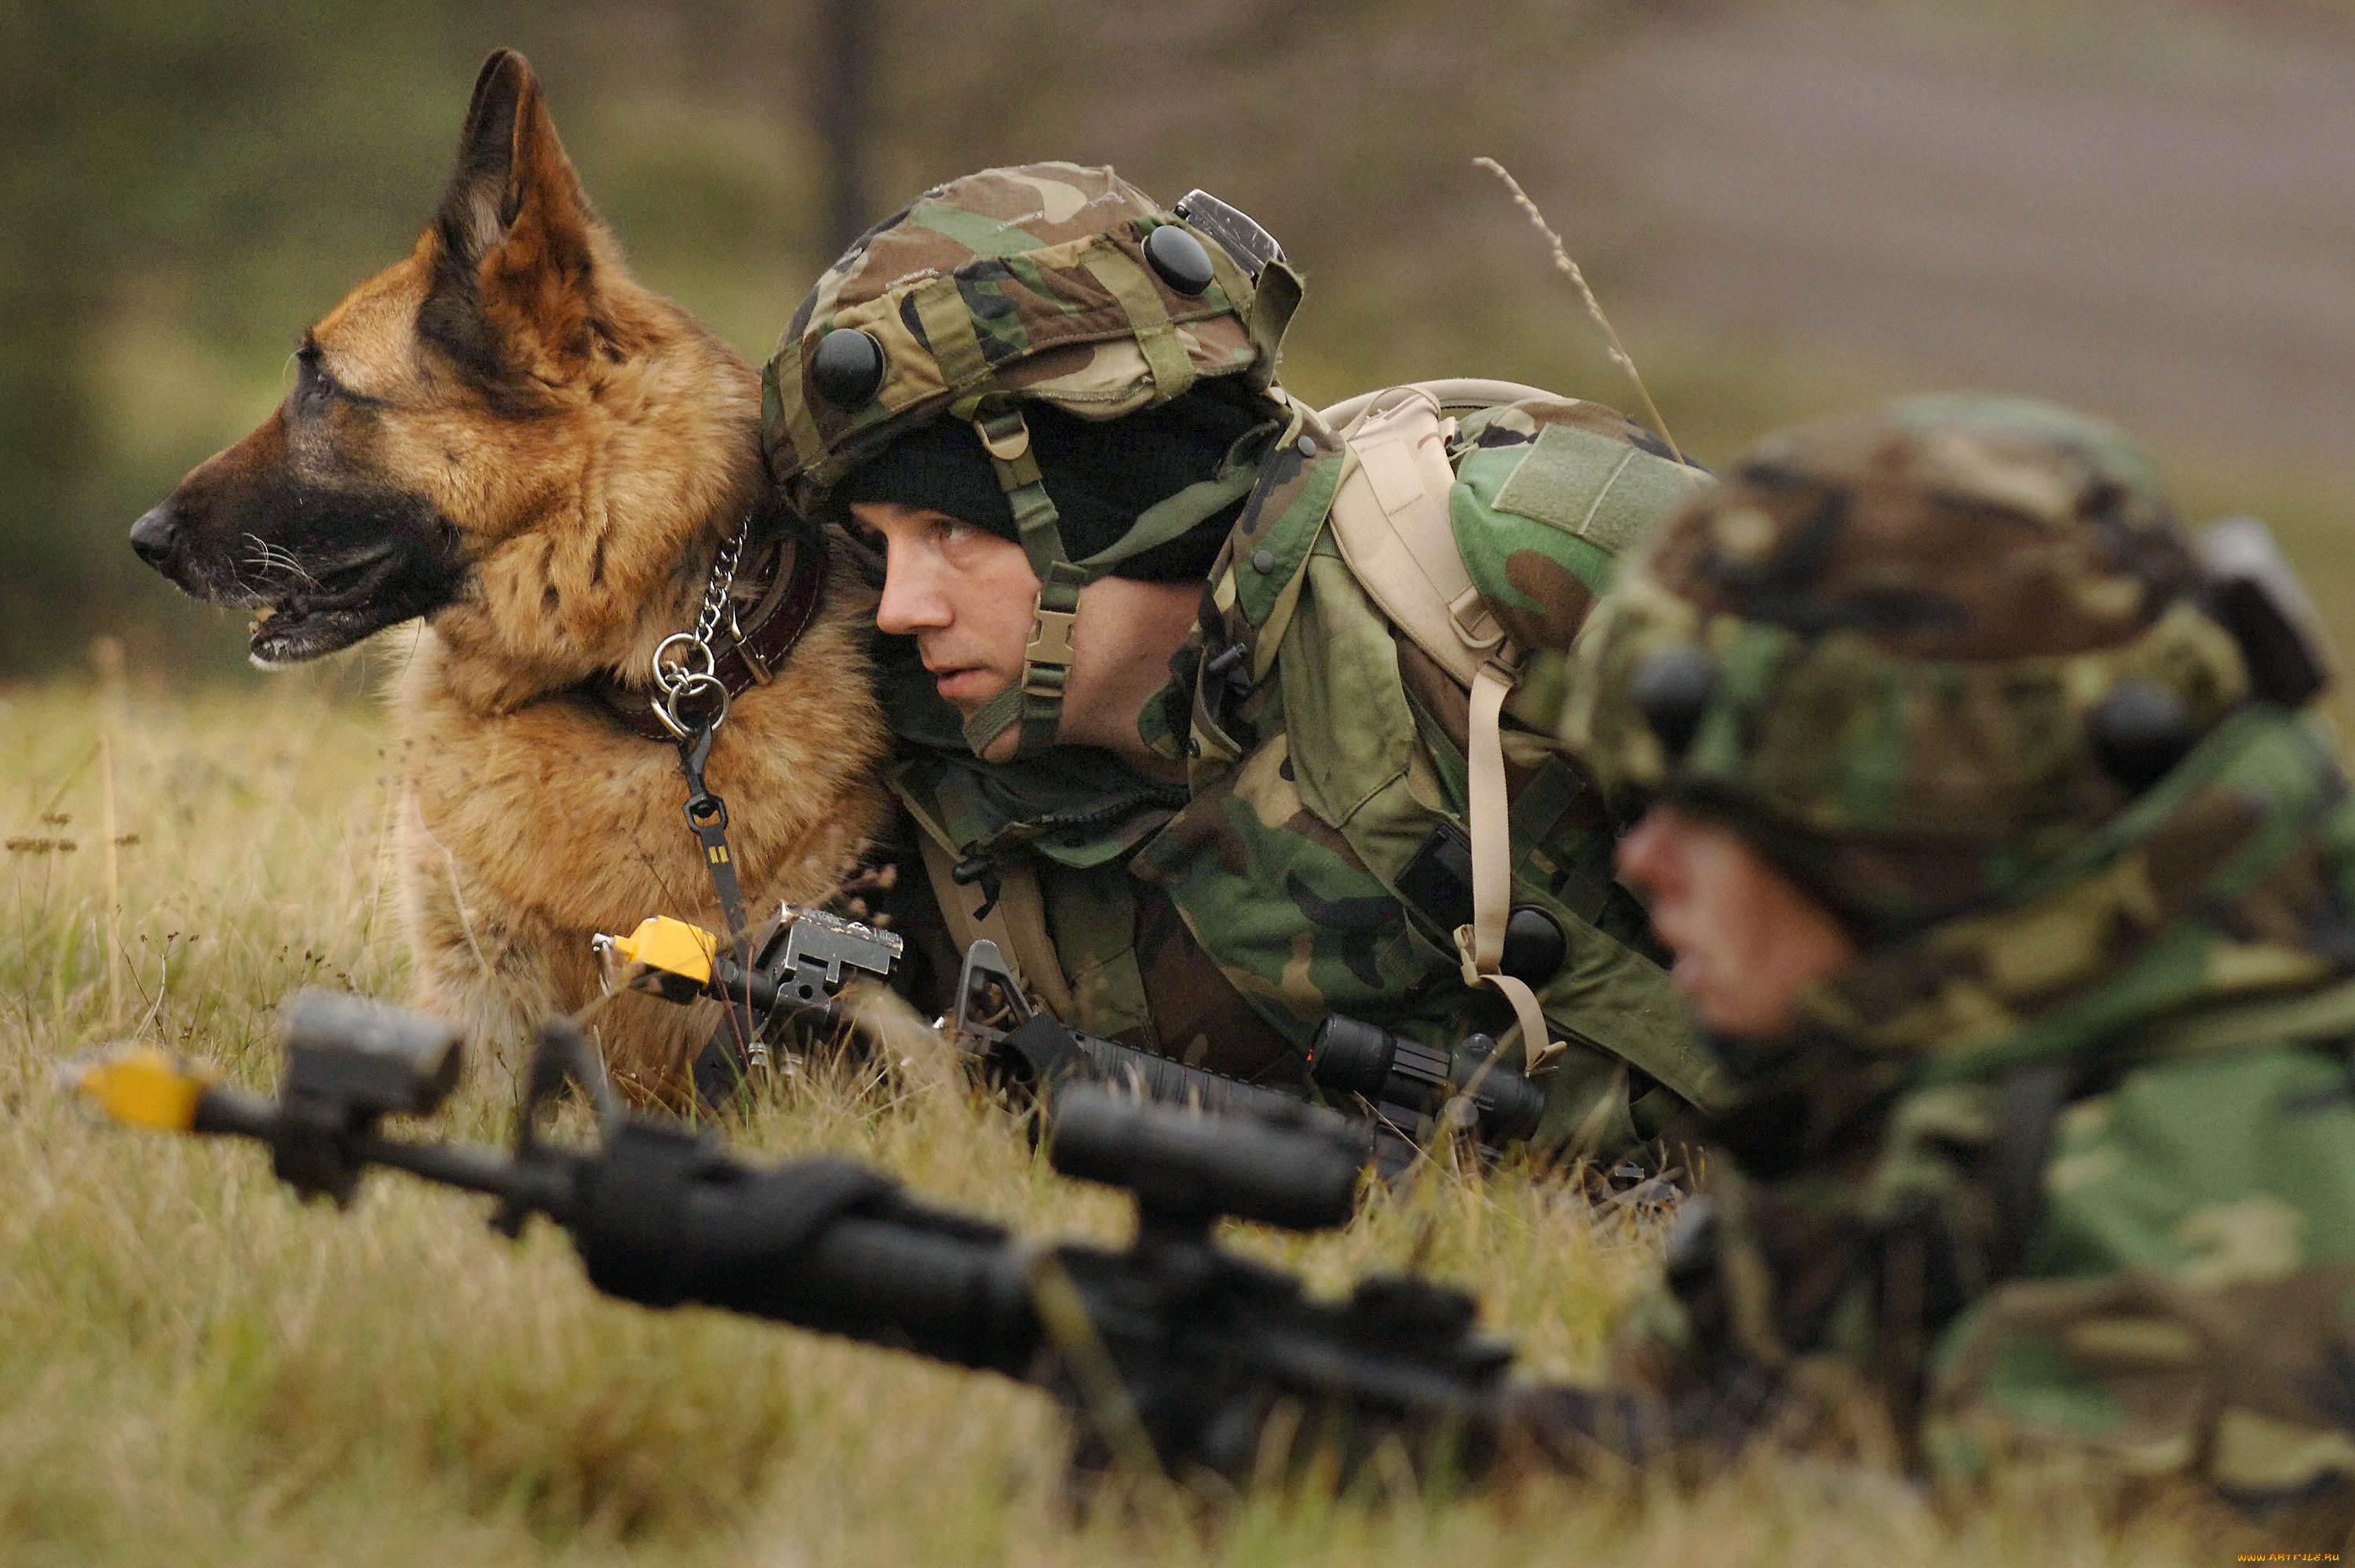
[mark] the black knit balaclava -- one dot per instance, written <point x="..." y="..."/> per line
<point x="1100" y="474"/>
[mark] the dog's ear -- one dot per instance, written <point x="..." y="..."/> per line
<point x="519" y="247"/>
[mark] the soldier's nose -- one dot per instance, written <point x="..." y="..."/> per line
<point x="155" y="535"/>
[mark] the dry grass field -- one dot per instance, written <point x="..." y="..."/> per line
<point x="195" y="1368"/>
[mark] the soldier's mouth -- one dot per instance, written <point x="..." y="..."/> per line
<point x="968" y="684"/>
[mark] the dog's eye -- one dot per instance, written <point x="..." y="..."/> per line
<point x="313" y="385"/>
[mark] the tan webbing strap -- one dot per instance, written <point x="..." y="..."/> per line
<point x="1463" y="392"/>
<point x="1481" y="945"/>
<point x="1391" y="519"/>
<point x="1017" y="923"/>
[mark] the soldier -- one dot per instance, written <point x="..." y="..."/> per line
<point x="1160" y="732"/>
<point x="2020" y="903"/>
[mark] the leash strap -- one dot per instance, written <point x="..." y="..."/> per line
<point x="707" y="819"/>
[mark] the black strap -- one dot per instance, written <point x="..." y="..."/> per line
<point x="2027" y="1108"/>
<point x="707" y="819"/>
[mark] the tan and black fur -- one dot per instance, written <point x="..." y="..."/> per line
<point x="504" y="436"/>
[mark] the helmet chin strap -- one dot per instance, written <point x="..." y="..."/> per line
<point x="1035" y="701"/>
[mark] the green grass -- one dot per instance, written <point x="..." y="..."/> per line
<point x="195" y="1369"/>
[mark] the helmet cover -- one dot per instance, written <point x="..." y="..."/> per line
<point x="1889" y="634"/>
<point x="1025" y="283"/>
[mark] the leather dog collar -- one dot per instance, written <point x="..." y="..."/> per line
<point x="784" y="588"/>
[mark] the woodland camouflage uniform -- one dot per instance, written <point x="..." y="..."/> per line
<point x="1221" y="921"/>
<point x="2069" y="1157"/>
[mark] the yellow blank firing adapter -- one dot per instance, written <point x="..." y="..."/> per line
<point x="663" y="954"/>
<point x="143" y="1085"/>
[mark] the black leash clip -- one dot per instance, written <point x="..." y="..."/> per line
<point x="707" y="819"/>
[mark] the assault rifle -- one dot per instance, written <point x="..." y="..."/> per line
<point x="1173" y="1351"/>
<point x="1031" y="1056"/>
<point x="1410" y="1092"/>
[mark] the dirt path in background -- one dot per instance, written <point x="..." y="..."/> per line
<point x="2156" y="221"/>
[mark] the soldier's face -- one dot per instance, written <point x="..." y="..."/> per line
<point x="1747" y="941"/>
<point x="963" y="593"/>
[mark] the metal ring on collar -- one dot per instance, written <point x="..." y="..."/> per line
<point x="667" y="705"/>
<point x="671" y="676"/>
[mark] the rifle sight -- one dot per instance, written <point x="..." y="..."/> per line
<point x="1187" y="1169"/>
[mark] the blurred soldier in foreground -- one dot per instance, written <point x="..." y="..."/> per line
<point x="1170" y="734"/>
<point x="2022" y="904"/>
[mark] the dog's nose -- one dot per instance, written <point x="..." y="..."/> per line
<point x="155" y="534"/>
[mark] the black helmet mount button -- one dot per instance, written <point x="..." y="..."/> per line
<point x="1179" y="257"/>
<point x="847" y="368"/>
<point x="2139" y="732"/>
<point x="1672" y="689"/>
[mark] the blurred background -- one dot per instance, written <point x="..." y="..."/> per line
<point x="2146" y="207"/>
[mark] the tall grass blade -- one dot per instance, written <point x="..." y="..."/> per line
<point x="1570" y="270"/>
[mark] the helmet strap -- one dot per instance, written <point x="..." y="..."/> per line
<point x="1035" y="701"/>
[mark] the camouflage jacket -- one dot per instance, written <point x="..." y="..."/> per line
<point x="2077" y="1171"/>
<point x="1311" y="863"/>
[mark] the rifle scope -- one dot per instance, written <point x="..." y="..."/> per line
<point x="1387" y="1068"/>
<point x="1299" y="1173"/>
<point x="1036" y="1057"/>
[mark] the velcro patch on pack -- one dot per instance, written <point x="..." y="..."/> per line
<point x="1603" y="490"/>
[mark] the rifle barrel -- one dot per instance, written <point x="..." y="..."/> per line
<point x="544" y="1188"/>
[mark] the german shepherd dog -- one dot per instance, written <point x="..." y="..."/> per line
<point x="504" y="436"/>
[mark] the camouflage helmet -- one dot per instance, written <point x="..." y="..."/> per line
<point x="1915" y="654"/>
<point x="1049" y="283"/>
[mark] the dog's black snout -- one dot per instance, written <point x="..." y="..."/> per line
<point x="155" y="534"/>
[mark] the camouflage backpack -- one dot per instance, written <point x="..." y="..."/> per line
<point x="1435" y="567"/>
<point x="1390" y="598"/>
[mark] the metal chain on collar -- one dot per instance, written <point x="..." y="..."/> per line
<point x="679" y="675"/>
<point x="692" y="672"/>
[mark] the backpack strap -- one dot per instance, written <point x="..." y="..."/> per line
<point x="1015" y="919"/>
<point x="1480" y="947"/>
<point x="1391" y="519"/>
